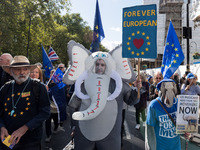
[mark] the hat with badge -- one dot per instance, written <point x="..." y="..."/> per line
<point x="19" y="61"/>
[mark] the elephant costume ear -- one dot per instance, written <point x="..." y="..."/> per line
<point x="77" y="55"/>
<point x="123" y="65"/>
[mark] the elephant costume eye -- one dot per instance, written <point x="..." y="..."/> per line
<point x="104" y="55"/>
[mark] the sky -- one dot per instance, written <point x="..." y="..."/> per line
<point x="111" y="16"/>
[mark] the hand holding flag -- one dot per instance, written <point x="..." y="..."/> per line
<point x="57" y="78"/>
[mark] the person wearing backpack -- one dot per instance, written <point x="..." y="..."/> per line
<point x="24" y="105"/>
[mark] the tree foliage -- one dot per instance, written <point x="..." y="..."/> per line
<point x="46" y="25"/>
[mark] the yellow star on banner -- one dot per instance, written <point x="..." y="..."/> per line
<point x="129" y="38"/>
<point x="21" y="113"/>
<point x="45" y="66"/>
<point x="172" y="45"/>
<point x="142" y="53"/>
<point x="96" y="27"/>
<point x="170" y="65"/>
<point x="176" y="49"/>
<point x="147" y="49"/>
<point x="174" y="61"/>
<point x="162" y="65"/>
<point x="133" y="52"/>
<point x="177" y="55"/>
<point x="129" y="48"/>
<point x="128" y="43"/>
<point x="147" y="37"/>
<point x="143" y="33"/>
<point x="138" y="54"/>
<point x="148" y="43"/>
<point x="138" y="32"/>
<point x="167" y="43"/>
<point x="97" y="35"/>
<point x="133" y="34"/>
<point x="166" y="67"/>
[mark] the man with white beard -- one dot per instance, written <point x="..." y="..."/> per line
<point x="24" y="105"/>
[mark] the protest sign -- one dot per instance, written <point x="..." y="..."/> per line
<point x="187" y="114"/>
<point x="139" y="32"/>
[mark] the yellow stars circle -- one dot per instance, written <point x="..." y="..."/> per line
<point x="27" y="98"/>
<point x="177" y="55"/>
<point x="141" y="52"/>
<point x="18" y="93"/>
<point x="13" y="95"/>
<point x="8" y="99"/>
<point x="21" y="113"/>
<point x="9" y="113"/>
<point x="28" y="104"/>
<point x="5" y="104"/>
<point x="6" y="109"/>
<point x="26" y="108"/>
<point x="14" y="115"/>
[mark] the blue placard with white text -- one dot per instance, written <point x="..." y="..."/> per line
<point x="139" y="38"/>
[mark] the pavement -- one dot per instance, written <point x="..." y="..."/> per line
<point x="132" y="138"/>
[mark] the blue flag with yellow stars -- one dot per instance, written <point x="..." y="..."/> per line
<point x="139" y="35"/>
<point x="98" y="33"/>
<point x="46" y="63"/>
<point x="173" y="54"/>
<point x="57" y="78"/>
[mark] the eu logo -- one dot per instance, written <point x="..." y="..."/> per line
<point x="139" y="32"/>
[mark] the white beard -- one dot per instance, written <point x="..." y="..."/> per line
<point x="20" y="78"/>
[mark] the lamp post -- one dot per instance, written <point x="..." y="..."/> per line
<point x="187" y="35"/>
<point x="30" y="15"/>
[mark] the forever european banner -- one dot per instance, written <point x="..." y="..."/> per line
<point x="139" y="39"/>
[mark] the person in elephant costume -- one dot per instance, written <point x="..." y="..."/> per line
<point x="160" y="127"/>
<point x="101" y="85"/>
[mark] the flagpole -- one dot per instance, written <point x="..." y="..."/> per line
<point x="138" y="96"/>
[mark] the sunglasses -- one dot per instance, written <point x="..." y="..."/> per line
<point x="158" y="78"/>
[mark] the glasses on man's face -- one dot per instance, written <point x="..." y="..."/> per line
<point x="158" y="78"/>
<point x="61" y="67"/>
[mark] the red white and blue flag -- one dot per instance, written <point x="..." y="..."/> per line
<point x="52" y="55"/>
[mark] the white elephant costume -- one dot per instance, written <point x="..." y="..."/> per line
<point x="99" y="97"/>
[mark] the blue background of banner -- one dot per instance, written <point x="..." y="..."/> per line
<point x="140" y="41"/>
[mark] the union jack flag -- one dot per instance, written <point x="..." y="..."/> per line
<point x="52" y="55"/>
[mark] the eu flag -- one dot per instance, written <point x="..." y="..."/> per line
<point x="98" y="33"/>
<point x="46" y="63"/>
<point x="57" y="78"/>
<point x="173" y="54"/>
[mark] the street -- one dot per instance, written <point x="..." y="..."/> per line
<point x="132" y="139"/>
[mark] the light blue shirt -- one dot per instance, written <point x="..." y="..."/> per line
<point x="193" y="90"/>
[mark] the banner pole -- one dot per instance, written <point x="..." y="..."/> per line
<point x="138" y="78"/>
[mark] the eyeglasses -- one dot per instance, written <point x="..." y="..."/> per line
<point x="158" y="78"/>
